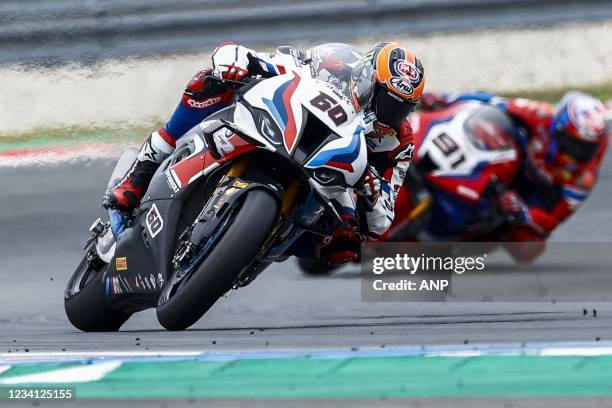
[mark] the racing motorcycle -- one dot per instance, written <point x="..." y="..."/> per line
<point x="237" y="192"/>
<point x="466" y="156"/>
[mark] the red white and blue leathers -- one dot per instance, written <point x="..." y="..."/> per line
<point x="390" y="148"/>
<point x="552" y="184"/>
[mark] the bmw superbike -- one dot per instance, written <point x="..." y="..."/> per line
<point x="239" y="190"/>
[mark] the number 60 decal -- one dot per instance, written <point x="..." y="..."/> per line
<point x="155" y="222"/>
<point x="328" y="104"/>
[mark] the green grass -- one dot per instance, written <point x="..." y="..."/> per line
<point x="39" y="138"/>
<point x="553" y="95"/>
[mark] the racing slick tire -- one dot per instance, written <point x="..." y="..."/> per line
<point x="312" y="267"/>
<point x="87" y="309"/>
<point x="215" y="276"/>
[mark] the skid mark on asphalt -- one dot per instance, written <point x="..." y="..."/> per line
<point x="440" y="315"/>
<point x="409" y="320"/>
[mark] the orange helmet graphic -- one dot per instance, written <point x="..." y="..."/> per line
<point x="400" y="80"/>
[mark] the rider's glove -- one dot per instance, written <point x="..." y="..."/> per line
<point x="371" y="186"/>
<point x="535" y="166"/>
<point x="231" y="61"/>
<point x="233" y="73"/>
<point x="513" y="206"/>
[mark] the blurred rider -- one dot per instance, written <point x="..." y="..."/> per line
<point x="400" y="81"/>
<point x="562" y="148"/>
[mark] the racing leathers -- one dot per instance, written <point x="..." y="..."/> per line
<point x="390" y="148"/>
<point x="551" y="184"/>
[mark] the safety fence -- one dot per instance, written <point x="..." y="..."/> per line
<point x="45" y="31"/>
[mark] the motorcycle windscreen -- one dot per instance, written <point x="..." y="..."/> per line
<point x="483" y="150"/>
<point x="490" y="129"/>
<point x="345" y="69"/>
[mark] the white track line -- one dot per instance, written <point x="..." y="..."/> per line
<point x="537" y="349"/>
<point x="85" y="373"/>
<point x="6" y="357"/>
<point x="4" y="368"/>
<point x="583" y="352"/>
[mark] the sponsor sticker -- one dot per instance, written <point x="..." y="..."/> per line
<point x="222" y="138"/>
<point x="386" y="130"/>
<point x="152" y="281"/>
<point x="203" y="104"/>
<point x="407" y="70"/>
<point x="401" y="85"/>
<point x="405" y="153"/>
<point x="154" y="221"/>
<point x="467" y="192"/>
<point x="121" y="264"/>
<point x="240" y="184"/>
<point x="171" y="182"/>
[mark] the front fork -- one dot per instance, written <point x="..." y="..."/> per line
<point x="215" y="218"/>
<point x="226" y="198"/>
<point x="289" y="196"/>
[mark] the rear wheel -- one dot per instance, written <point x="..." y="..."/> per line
<point x="215" y="276"/>
<point x="313" y="267"/>
<point x="85" y="302"/>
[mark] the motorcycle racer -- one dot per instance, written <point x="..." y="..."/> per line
<point x="562" y="151"/>
<point x="399" y="80"/>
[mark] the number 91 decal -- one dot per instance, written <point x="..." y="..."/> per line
<point x="154" y="221"/>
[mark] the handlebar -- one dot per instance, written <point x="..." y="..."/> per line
<point x="227" y="83"/>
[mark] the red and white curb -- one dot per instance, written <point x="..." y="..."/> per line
<point x="60" y="154"/>
<point x="83" y="152"/>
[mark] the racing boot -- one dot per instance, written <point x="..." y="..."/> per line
<point x="342" y="246"/>
<point x="126" y="195"/>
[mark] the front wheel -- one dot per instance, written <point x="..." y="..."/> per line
<point x="215" y="276"/>
<point x="85" y="302"/>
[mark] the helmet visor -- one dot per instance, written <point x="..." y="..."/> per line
<point x="580" y="150"/>
<point x="391" y="109"/>
<point x="362" y="84"/>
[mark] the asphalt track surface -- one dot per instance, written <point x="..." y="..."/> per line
<point x="45" y="213"/>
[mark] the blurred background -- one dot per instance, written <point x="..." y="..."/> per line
<point x="113" y="69"/>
